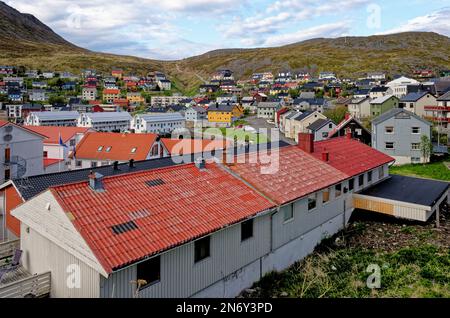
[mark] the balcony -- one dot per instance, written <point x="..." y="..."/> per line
<point x="18" y="282"/>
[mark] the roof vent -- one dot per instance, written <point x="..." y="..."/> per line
<point x="131" y="163"/>
<point x="200" y="163"/>
<point x="116" y="165"/>
<point x="124" y="227"/>
<point x="96" y="182"/>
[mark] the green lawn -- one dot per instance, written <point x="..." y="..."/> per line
<point x="241" y="135"/>
<point x="436" y="170"/>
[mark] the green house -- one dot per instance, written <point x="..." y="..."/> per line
<point x="383" y="104"/>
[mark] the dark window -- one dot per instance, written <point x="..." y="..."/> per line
<point x="312" y="202"/>
<point x="202" y="249"/>
<point x="361" y="180"/>
<point x="369" y="176"/>
<point x="45" y="154"/>
<point x="338" y="190"/>
<point x="7" y="155"/>
<point x="149" y="272"/>
<point x="351" y="184"/>
<point x="247" y="230"/>
<point x="7" y="174"/>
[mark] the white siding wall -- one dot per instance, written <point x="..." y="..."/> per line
<point x="41" y="255"/>
<point x="181" y="277"/>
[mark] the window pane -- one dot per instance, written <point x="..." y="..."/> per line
<point x="149" y="272"/>
<point x="369" y="176"/>
<point x="351" y="184"/>
<point x="361" y="180"/>
<point x="326" y="196"/>
<point x="312" y="202"/>
<point x="202" y="249"/>
<point x="247" y="230"/>
<point x="288" y="212"/>
<point x="338" y="190"/>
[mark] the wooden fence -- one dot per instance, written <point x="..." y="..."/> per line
<point x="37" y="286"/>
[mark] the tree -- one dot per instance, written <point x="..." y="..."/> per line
<point x="426" y="147"/>
<point x="337" y="114"/>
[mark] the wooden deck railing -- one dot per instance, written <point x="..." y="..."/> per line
<point x="37" y="286"/>
<point x="7" y="248"/>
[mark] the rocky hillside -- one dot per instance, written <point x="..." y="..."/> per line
<point x="27" y="41"/>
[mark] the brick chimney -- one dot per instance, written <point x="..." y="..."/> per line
<point x="306" y="142"/>
<point x="325" y="156"/>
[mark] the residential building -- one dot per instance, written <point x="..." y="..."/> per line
<point x="164" y="101"/>
<point x="400" y="85"/>
<point x="109" y="95"/>
<point x="20" y="152"/>
<point x="321" y="128"/>
<point x="381" y="105"/>
<point x="196" y="113"/>
<point x="268" y="110"/>
<point x="380" y="91"/>
<point x="440" y="112"/>
<point x="379" y="76"/>
<point x="360" y="108"/>
<point x="314" y="104"/>
<point x="117" y="74"/>
<point x="59" y="143"/>
<point x="236" y="240"/>
<point x="350" y="125"/>
<point x="398" y="134"/>
<point x="164" y="85"/>
<point x="187" y="147"/>
<point x="221" y="114"/>
<point x="99" y="149"/>
<point x="37" y="95"/>
<point x="106" y="121"/>
<point x="15" y="95"/>
<point x="416" y="102"/>
<point x="299" y="124"/>
<point x="135" y="98"/>
<point x="158" y="123"/>
<point x="327" y="76"/>
<point x="89" y="93"/>
<point x="61" y="118"/>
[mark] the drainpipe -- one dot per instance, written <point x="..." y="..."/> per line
<point x="271" y="227"/>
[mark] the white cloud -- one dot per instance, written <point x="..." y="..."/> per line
<point x="437" y="21"/>
<point x="326" y="30"/>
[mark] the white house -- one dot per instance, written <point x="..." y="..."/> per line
<point x="182" y="230"/>
<point x="106" y="121"/>
<point x="359" y="107"/>
<point x="158" y="123"/>
<point x="400" y="85"/>
<point x="38" y="95"/>
<point x="20" y="152"/>
<point x="89" y="93"/>
<point x="56" y="155"/>
<point x="63" y="118"/>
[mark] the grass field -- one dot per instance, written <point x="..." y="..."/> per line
<point x="437" y="171"/>
<point x="413" y="261"/>
<point x="241" y="135"/>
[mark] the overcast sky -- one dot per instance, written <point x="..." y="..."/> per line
<point x="173" y="29"/>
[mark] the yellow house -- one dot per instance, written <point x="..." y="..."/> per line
<point x="135" y="98"/>
<point x="220" y="114"/>
<point x="109" y="95"/>
<point x="238" y="111"/>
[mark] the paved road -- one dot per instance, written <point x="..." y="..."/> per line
<point x="256" y="123"/>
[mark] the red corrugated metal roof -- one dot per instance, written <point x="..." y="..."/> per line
<point x="298" y="175"/>
<point x="350" y="156"/>
<point x="187" y="203"/>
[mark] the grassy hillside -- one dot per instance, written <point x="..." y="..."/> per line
<point x="413" y="260"/>
<point x="26" y="41"/>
